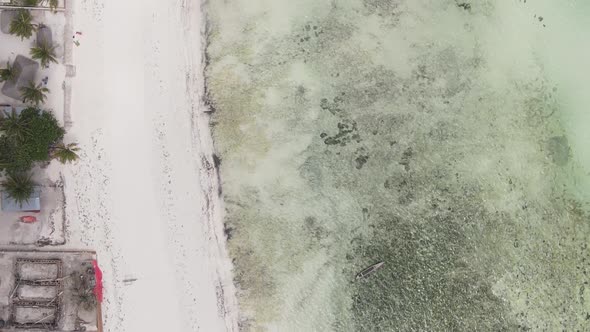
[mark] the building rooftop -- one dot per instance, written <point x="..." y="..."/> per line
<point x="32" y="205"/>
<point x="25" y="71"/>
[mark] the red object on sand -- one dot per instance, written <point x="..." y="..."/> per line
<point x="98" y="278"/>
<point x="28" y="219"/>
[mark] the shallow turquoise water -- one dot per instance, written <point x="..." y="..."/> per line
<point x="446" y="139"/>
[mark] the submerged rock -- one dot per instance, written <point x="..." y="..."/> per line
<point x="559" y="150"/>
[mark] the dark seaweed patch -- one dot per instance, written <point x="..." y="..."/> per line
<point x="361" y="161"/>
<point x="464" y="5"/>
<point x="345" y="135"/>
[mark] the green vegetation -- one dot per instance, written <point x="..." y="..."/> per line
<point x="19" y="186"/>
<point x="14" y="127"/>
<point x="30" y="3"/>
<point x="22" y="25"/>
<point x="53" y="4"/>
<point x="12" y="158"/>
<point x="66" y="153"/>
<point x="44" y="133"/>
<point x="27" y="139"/>
<point x="44" y="53"/>
<point x="8" y="73"/>
<point x="33" y="136"/>
<point x="34" y="94"/>
<point x="82" y="285"/>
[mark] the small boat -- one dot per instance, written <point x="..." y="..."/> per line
<point x="28" y="219"/>
<point x="366" y="272"/>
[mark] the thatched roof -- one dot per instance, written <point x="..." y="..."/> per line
<point x="25" y="72"/>
<point x="6" y="16"/>
<point x="44" y="36"/>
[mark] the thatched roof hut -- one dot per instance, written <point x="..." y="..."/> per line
<point x="6" y="17"/>
<point x="25" y="73"/>
<point x="44" y="37"/>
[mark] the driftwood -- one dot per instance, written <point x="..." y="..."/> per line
<point x="55" y="298"/>
<point x="44" y="318"/>
<point x="14" y="289"/>
<point x="49" y="280"/>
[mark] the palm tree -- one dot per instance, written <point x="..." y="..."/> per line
<point x="44" y="53"/>
<point x="66" y="153"/>
<point x="30" y="3"/>
<point x="35" y="94"/>
<point x="14" y="126"/>
<point x="19" y="186"/>
<point x="53" y="4"/>
<point x="8" y="73"/>
<point x="22" y="25"/>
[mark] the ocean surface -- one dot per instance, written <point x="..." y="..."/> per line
<point x="447" y="139"/>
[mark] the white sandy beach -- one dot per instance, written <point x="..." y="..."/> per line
<point x="142" y="194"/>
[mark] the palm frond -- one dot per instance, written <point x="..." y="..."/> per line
<point x="8" y="73"/>
<point x="14" y="126"/>
<point x="44" y="53"/>
<point x="19" y="186"/>
<point x="22" y="25"/>
<point x="34" y="94"/>
<point x="66" y="153"/>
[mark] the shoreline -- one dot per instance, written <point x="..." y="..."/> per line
<point x="209" y="169"/>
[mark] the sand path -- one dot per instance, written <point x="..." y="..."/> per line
<point x="142" y="193"/>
